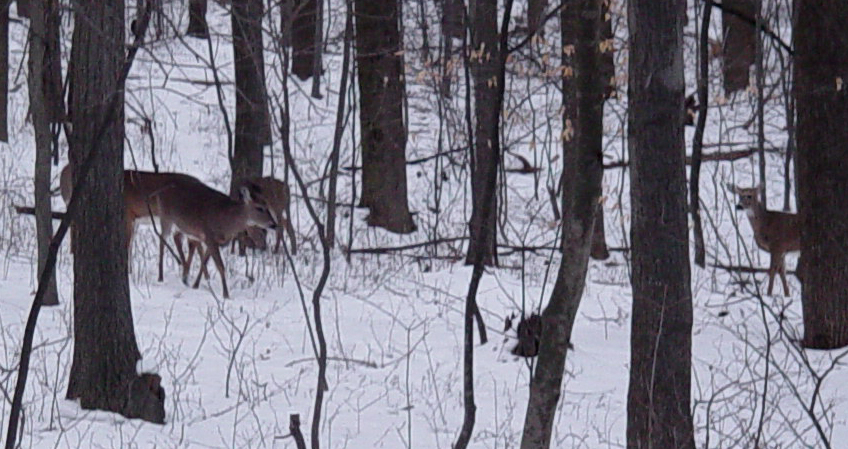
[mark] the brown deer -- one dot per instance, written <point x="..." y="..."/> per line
<point x="277" y="197"/>
<point x="139" y="188"/>
<point x="777" y="233"/>
<point x="207" y="216"/>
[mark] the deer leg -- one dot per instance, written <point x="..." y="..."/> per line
<point x="216" y="256"/>
<point x="771" y="271"/>
<point x="203" y="269"/>
<point x="203" y="260"/>
<point x="186" y="261"/>
<point x="129" y="222"/>
<point x="164" y="232"/>
<point x="782" y="272"/>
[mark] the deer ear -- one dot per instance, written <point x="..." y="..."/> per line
<point x="244" y="193"/>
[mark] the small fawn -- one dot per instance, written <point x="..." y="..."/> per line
<point x="777" y="233"/>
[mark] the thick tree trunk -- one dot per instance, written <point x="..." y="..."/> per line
<point x="536" y="10"/>
<point x="38" y="105"/>
<point x="23" y="8"/>
<point x="740" y="43"/>
<point x="658" y="406"/>
<point x="484" y="66"/>
<point x="453" y="18"/>
<point x="821" y="94"/>
<point x="252" y="124"/>
<point x="303" y="21"/>
<point x="581" y="26"/>
<point x="105" y="350"/>
<point x="381" y="87"/>
<point x="197" y="26"/>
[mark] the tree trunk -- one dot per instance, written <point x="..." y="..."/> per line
<point x="484" y="65"/>
<point x="740" y="42"/>
<point x="197" y="26"/>
<point x="54" y="96"/>
<point x="658" y="406"/>
<point x="38" y="105"/>
<point x="23" y="8"/>
<point x="536" y="10"/>
<point x="252" y="124"/>
<point x="453" y="18"/>
<point x="105" y="350"/>
<point x="303" y="25"/>
<point x="4" y="75"/>
<point x="581" y="27"/>
<point x="381" y="87"/>
<point x="821" y="95"/>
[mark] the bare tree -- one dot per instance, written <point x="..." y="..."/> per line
<point x="483" y="16"/>
<point x="103" y="372"/>
<point x="305" y="28"/>
<point x="821" y="95"/>
<point x="658" y="399"/>
<point x="39" y="105"/>
<point x="381" y="90"/>
<point x="583" y="97"/>
<point x="252" y="121"/>
<point x="197" y="26"/>
<point x="740" y="42"/>
<point x="4" y="74"/>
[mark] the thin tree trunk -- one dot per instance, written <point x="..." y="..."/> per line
<point x="739" y="50"/>
<point x="304" y="19"/>
<point x="535" y="13"/>
<point x="484" y="156"/>
<point x="317" y="50"/>
<point x="658" y="399"/>
<point x="105" y="351"/>
<point x="197" y="26"/>
<point x="381" y="87"/>
<point x="340" y="120"/>
<point x="698" y="139"/>
<point x="581" y="27"/>
<point x="4" y="75"/>
<point x="471" y="308"/>
<point x="821" y="99"/>
<point x="252" y="123"/>
<point x="38" y="105"/>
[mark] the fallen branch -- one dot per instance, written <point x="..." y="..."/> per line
<point x="746" y="269"/>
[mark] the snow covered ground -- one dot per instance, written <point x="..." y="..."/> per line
<point x="235" y="370"/>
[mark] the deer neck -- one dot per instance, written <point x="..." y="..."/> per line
<point x="756" y="216"/>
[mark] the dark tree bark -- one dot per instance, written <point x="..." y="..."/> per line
<point x="53" y="86"/>
<point x="453" y="18"/>
<point x="740" y="42"/>
<point x="535" y="13"/>
<point x="305" y="17"/>
<point x="252" y="119"/>
<point x="103" y="374"/>
<point x="4" y="75"/>
<point x="23" y="8"/>
<point x="821" y="95"/>
<point x="581" y="27"/>
<point x="698" y="138"/>
<point x="197" y="26"/>
<point x="658" y="408"/>
<point x="381" y="87"/>
<point x="484" y="65"/>
<point x="39" y="107"/>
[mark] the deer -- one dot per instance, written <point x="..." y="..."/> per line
<point x="139" y="189"/>
<point x="208" y="217"/>
<point x="777" y="233"/>
<point x="277" y="197"/>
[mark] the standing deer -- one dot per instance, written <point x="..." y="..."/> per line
<point x="207" y="216"/>
<point x="777" y="233"/>
<point x="139" y="189"/>
<point x="277" y="197"/>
